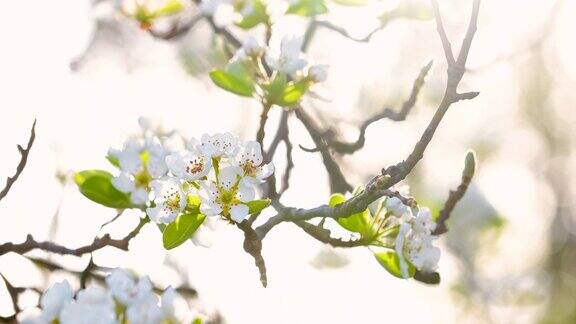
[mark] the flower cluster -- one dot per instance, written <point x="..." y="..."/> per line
<point x="286" y="58"/>
<point x="125" y="299"/>
<point x="414" y="241"/>
<point x="223" y="171"/>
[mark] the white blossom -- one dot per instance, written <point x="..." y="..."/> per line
<point x="288" y="58"/>
<point x="250" y="48"/>
<point x="145" y="310"/>
<point x="249" y="159"/>
<point x="395" y="205"/>
<point x="93" y="305"/>
<point x="423" y="222"/>
<point x="55" y="298"/>
<point x="125" y="289"/>
<point x="140" y="162"/>
<point x="414" y="242"/>
<point x="220" y="145"/>
<point x="170" y="200"/>
<point x="226" y="196"/>
<point x="191" y="165"/>
<point x="421" y="253"/>
<point x="318" y="72"/>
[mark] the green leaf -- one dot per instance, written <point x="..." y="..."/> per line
<point x="232" y="83"/>
<point x="96" y="185"/>
<point x="292" y="94"/>
<point x="391" y="262"/>
<point x="113" y="160"/>
<point x="307" y="8"/>
<point x="359" y="223"/>
<point x="257" y="15"/>
<point x="170" y="8"/>
<point x="82" y="176"/>
<point x="181" y="229"/>
<point x="275" y="88"/>
<point x="256" y="206"/>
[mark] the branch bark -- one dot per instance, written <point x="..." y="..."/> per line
<point x="23" y="159"/>
<point x="98" y="243"/>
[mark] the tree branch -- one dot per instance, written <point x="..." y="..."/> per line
<point x="98" y="243"/>
<point x="323" y="235"/>
<point x="455" y="195"/>
<point x="23" y="159"/>
<point x="336" y="178"/>
<point x="253" y="246"/>
<point x="379" y="185"/>
<point x="351" y="147"/>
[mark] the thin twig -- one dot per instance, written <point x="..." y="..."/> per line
<point x="323" y="235"/>
<point x="351" y="147"/>
<point x="98" y="243"/>
<point x="23" y="159"/>
<point x="455" y="195"/>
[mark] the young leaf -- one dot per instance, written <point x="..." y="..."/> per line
<point x="293" y="93"/>
<point x="82" y="176"/>
<point x="391" y="262"/>
<point x="276" y="87"/>
<point x="96" y="185"/>
<point x="181" y="229"/>
<point x="232" y="83"/>
<point x="113" y="160"/>
<point x="360" y="223"/>
<point x="256" y="206"/>
<point x="307" y="8"/>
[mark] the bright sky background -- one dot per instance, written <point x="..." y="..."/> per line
<point x="80" y="114"/>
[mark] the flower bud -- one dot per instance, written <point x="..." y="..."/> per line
<point x="253" y="48"/>
<point x="318" y="72"/>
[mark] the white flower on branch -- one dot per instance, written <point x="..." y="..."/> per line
<point x="318" y="72"/>
<point x="191" y="165"/>
<point x="226" y="195"/>
<point x="251" y="48"/>
<point x="395" y="205"/>
<point x="220" y="145"/>
<point x="170" y="200"/>
<point x="124" y="288"/>
<point x="94" y="305"/>
<point x="140" y="162"/>
<point x="414" y="242"/>
<point x="288" y="58"/>
<point x="54" y="300"/>
<point x="249" y="159"/>
<point x="124" y="299"/>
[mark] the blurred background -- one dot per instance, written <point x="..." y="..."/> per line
<point x="87" y="75"/>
